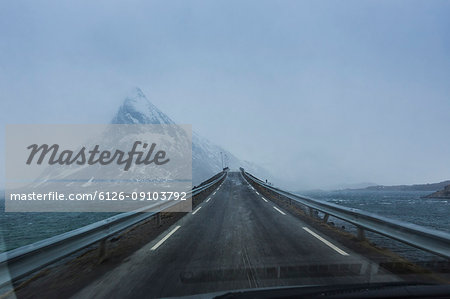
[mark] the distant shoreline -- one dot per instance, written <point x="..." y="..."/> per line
<point x="441" y="194"/>
<point x="433" y="187"/>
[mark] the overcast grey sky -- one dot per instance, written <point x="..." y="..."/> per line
<point x="321" y="93"/>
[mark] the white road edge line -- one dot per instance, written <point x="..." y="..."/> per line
<point x="279" y="210"/>
<point x="337" y="249"/>
<point x="165" y="238"/>
<point x="264" y="199"/>
<point x="198" y="209"/>
<point x="208" y="199"/>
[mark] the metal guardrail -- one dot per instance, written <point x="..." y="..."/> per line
<point x="25" y="260"/>
<point x="434" y="241"/>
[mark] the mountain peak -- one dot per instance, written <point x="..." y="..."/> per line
<point x="206" y="156"/>
<point x="137" y="109"/>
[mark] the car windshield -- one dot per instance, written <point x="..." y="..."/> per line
<point x="241" y="148"/>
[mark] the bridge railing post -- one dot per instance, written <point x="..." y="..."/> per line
<point x="102" y="251"/>
<point x="158" y="219"/>
<point x="361" y="234"/>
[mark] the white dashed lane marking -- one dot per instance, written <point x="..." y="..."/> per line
<point x="326" y="242"/>
<point x="165" y="238"/>
<point x="279" y="210"/>
<point x="198" y="209"/>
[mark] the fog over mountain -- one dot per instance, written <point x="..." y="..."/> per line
<point x="207" y="157"/>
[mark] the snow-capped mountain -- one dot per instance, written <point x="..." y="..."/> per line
<point x="137" y="109"/>
<point x="89" y="178"/>
<point x="206" y="156"/>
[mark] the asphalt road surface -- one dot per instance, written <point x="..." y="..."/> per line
<point x="235" y="239"/>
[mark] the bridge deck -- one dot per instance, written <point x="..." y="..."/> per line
<point x="234" y="240"/>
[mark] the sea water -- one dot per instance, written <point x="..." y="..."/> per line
<point x="409" y="206"/>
